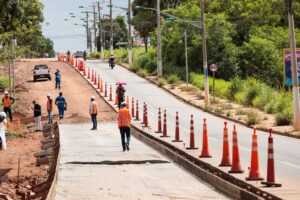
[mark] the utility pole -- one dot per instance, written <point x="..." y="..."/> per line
<point x="95" y="28"/>
<point x="159" y="57"/>
<point x="111" y="31"/>
<point x="87" y="29"/>
<point x="186" y="60"/>
<point x="294" y="65"/>
<point x="129" y="34"/>
<point x="90" y="39"/>
<point x="204" y="49"/>
<point x="100" y="31"/>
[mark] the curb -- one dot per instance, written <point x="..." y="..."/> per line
<point x="220" y="184"/>
<point x="213" y="113"/>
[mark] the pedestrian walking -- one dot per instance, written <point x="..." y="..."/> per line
<point x="61" y="103"/>
<point x="3" y="122"/>
<point x="94" y="112"/>
<point x="124" y="120"/>
<point x="7" y="102"/>
<point x="49" y="109"/>
<point x="57" y="79"/>
<point x="120" y="91"/>
<point x="37" y="112"/>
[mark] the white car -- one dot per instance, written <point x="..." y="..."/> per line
<point x="41" y="71"/>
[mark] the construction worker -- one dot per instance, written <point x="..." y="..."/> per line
<point x="120" y="91"/>
<point x="57" y="79"/>
<point x="94" y="112"/>
<point x="49" y="109"/>
<point x="124" y="120"/>
<point x="61" y="103"/>
<point x="7" y="103"/>
<point x="37" y="112"/>
<point x="3" y="121"/>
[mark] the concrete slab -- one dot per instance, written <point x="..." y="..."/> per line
<point x="124" y="181"/>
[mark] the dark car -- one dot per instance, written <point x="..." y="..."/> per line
<point x="78" y="54"/>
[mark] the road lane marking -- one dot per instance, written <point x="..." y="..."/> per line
<point x="291" y="165"/>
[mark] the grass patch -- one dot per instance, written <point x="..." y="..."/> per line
<point x="252" y="118"/>
<point x="173" y="79"/>
<point x="284" y="117"/>
<point x="162" y="82"/>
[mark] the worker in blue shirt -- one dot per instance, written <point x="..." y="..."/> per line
<point x="57" y="79"/>
<point x="61" y="103"/>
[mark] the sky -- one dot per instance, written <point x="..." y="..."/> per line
<point x="65" y="35"/>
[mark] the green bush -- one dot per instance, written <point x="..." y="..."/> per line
<point x="282" y="102"/>
<point x="142" y="72"/>
<point x="252" y="117"/>
<point x="251" y="89"/>
<point x="173" y="79"/>
<point x="264" y="96"/>
<point x="235" y="86"/>
<point x="4" y="82"/>
<point x="284" y="117"/>
<point x="95" y="55"/>
<point x="162" y="82"/>
<point x="134" y="67"/>
<point x="270" y="107"/>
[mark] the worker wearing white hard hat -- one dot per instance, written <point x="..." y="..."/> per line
<point x="94" y="112"/>
<point x="2" y="131"/>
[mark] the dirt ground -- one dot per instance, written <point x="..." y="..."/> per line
<point x="25" y="142"/>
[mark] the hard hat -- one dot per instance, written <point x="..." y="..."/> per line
<point x="5" y="92"/>
<point x="3" y="114"/>
<point x="123" y="104"/>
<point x="48" y="95"/>
<point x="93" y="97"/>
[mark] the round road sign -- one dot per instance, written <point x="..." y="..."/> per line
<point x="213" y="67"/>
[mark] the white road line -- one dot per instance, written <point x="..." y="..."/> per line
<point x="291" y="165"/>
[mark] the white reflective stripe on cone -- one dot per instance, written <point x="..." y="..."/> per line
<point x="270" y="156"/>
<point x="270" y="146"/>
<point x="254" y="148"/>
<point x="254" y="140"/>
<point x="234" y="143"/>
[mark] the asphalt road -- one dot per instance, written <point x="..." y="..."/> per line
<point x="287" y="157"/>
<point x="92" y="166"/>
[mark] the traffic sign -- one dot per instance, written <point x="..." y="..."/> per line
<point x="213" y="68"/>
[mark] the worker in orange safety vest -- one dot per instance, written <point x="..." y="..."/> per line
<point x="124" y="120"/>
<point x="7" y="103"/>
<point x="94" y="112"/>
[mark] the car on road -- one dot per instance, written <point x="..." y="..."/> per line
<point x="41" y="71"/>
<point x="78" y="54"/>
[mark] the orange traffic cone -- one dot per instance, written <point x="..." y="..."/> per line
<point x="116" y="100"/>
<point x="205" y="150"/>
<point x="127" y="102"/>
<point x="159" y="122"/>
<point x="236" y="165"/>
<point x="132" y="107"/>
<point x="165" y="126"/>
<point x="146" y="116"/>
<point x="95" y="79"/>
<point x="225" y="162"/>
<point x="99" y="83"/>
<point x="137" y="116"/>
<point x="177" y="133"/>
<point x="254" y="173"/>
<point x="92" y="75"/>
<point x="110" y="93"/>
<point x="192" y="135"/>
<point x="89" y="73"/>
<point x="105" y="90"/>
<point x="271" y="167"/>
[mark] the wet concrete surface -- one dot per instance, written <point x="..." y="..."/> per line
<point x="93" y="166"/>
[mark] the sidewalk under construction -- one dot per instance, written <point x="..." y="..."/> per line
<point x="92" y="165"/>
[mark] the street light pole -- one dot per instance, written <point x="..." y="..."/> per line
<point x="87" y="30"/>
<point x="204" y="50"/>
<point x="111" y="30"/>
<point x="129" y="34"/>
<point x="294" y="65"/>
<point x="159" y="57"/>
<point x="95" y="29"/>
<point x="100" y="31"/>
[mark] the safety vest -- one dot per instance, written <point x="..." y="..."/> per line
<point x="124" y="118"/>
<point x="93" y="108"/>
<point x="7" y="102"/>
<point x="49" y="104"/>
